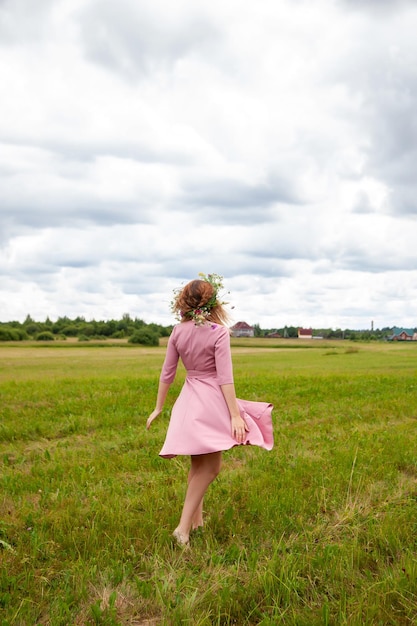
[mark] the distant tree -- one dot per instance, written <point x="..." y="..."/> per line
<point x="155" y="328"/>
<point x="32" y="328"/>
<point x="45" y="336"/>
<point x="69" y="331"/>
<point x="145" y="337"/>
<point x="60" y="324"/>
<point x="335" y="334"/>
<point x="138" y="323"/>
<point x="119" y="334"/>
<point x="86" y="328"/>
<point x="257" y="330"/>
<point x="292" y="331"/>
<point x="102" y="329"/>
<point x="111" y="327"/>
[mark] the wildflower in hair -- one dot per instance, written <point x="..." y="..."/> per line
<point x="200" y="300"/>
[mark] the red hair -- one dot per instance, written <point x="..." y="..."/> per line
<point x="196" y="295"/>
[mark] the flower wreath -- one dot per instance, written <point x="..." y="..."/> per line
<point x="200" y="314"/>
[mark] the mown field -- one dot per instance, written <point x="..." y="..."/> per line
<point x="320" y="531"/>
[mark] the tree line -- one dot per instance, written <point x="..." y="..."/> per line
<point x="136" y="330"/>
<point x="327" y="333"/>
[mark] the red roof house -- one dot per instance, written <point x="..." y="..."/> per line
<point x="242" y="329"/>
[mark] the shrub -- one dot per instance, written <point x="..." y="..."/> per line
<point x="69" y="331"/>
<point x="12" y="334"/>
<point x="32" y="328"/>
<point x="45" y="336"/>
<point x="6" y="334"/>
<point x="83" y="338"/>
<point x="145" y="337"/>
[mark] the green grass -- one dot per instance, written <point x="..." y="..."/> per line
<point x="320" y="531"/>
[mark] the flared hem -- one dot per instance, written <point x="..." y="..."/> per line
<point x="223" y="449"/>
<point x="258" y="417"/>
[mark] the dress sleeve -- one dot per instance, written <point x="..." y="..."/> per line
<point x="223" y="358"/>
<point x="169" y="368"/>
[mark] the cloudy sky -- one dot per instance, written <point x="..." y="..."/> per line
<point x="273" y="142"/>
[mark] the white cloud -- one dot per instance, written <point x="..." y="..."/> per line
<point x="272" y="143"/>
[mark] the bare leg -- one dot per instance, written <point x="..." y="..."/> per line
<point x="204" y="469"/>
<point x="197" y="519"/>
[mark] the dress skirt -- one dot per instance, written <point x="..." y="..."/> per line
<point x="200" y="420"/>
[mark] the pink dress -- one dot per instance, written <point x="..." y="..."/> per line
<point x="200" y="419"/>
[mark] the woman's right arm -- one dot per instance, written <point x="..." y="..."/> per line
<point x="237" y="423"/>
<point x="160" y="401"/>
<point x="224" y="368"/>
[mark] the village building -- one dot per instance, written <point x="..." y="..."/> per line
<point x="403" y="334"/>
<point x="305" y="333"/>
<point x="242" y="329"/>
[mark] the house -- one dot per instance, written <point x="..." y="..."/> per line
<point x="403" y="334"/>
<point x="305" y="333"/>
<point x="242" y="329"/>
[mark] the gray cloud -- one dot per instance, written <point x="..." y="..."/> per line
<point x="18" y="25"/>
<point x="83" y="150"/>
<point x="380" y="75"/>
<point x="239" y="195"/>
<point x="380" y="8"/>
<point x="134" y="39"/>
<point x="363" y="204"/>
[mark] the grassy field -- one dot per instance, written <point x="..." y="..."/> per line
<point x="320" y="531"/>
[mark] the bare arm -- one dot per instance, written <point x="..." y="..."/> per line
<point x="238" y="425"/>
<point x="160" y="401"/>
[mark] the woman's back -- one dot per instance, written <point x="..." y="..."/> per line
<point x="204" y="350"/>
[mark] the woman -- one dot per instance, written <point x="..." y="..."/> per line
<point x="207" y="418"/>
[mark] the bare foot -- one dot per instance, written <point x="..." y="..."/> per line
<point x="182" y="540"/>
